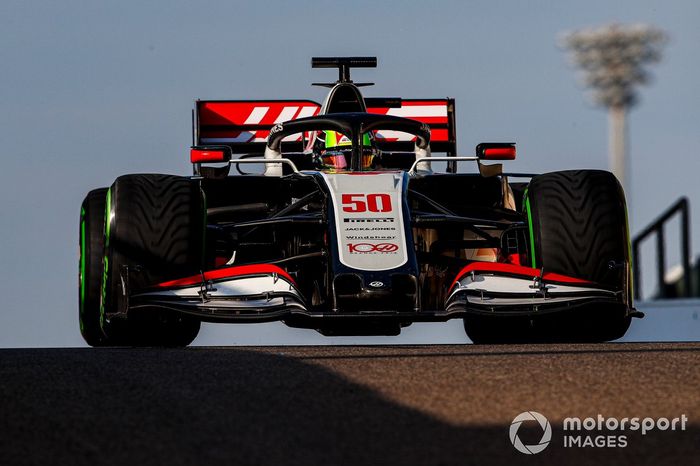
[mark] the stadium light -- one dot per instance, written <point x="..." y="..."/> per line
<point x="613" y="60"/>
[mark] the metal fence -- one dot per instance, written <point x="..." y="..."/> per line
<point x="682" y="208"/>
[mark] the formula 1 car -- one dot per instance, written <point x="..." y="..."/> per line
<point x="338" y="219"/>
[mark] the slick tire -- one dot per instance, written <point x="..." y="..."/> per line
<point x="154" y="233"/>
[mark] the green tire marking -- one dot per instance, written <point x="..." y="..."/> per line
<point x="105" y="271"/>
<point x="532" y="231"/>
<point x="81" y="272"/>
<point x="83" y="259"/>
<point x="108" y="211"/>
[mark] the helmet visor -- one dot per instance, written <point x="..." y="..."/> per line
<point x="335" y="160"/>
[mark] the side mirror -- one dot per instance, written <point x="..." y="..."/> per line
<point x="203" y="154"/>
<point x="496" y="151"/>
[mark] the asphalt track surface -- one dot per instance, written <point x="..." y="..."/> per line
<point x="340" y="405"/>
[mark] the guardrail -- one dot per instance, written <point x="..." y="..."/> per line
<point x="657" y="227"/>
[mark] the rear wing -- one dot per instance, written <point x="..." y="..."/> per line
<point x="244" y="125"/>
<point x="439" y="114"/>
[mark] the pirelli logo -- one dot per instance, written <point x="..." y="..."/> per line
<point x="370" y="220"/>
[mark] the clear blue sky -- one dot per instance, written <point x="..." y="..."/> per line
<point x="90" y="90"/>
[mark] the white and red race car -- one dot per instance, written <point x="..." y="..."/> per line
<point x="337" y="219"/>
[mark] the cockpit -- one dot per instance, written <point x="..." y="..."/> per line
<point x="348" y="142"/>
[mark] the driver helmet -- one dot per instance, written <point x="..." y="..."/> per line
<point x="336" y="150"/>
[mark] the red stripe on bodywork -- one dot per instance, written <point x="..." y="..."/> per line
<point x="228" y="272"/>
<point x="237" y="112"/>
<point x="516" y="270"/>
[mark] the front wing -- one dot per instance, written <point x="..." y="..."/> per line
<point x="265" y="292"/>
<point x="495" y="288"/>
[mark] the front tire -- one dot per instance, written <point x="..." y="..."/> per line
<point x="155" y="232"/>
<point x="577" y="223"/>
<point x="92" y="220"/>
<point x="579" y="226"/>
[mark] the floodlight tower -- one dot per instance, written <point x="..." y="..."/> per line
<point x="613" y="60"/>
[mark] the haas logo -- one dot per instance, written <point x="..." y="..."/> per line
<point x="364" y="248"/>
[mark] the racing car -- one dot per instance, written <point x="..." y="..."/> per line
<point x="340" y="217"/>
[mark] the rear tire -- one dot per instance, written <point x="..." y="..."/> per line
<point x="92" y="220"/>
<point x="155" y="233"/>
